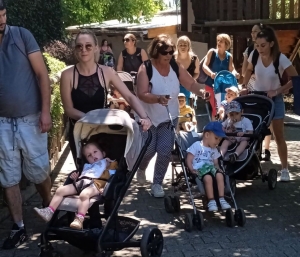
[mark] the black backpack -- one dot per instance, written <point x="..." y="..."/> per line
<point x="202" y="75"/>
<point x="149" y="69"/>
<point x="283" y="80"/>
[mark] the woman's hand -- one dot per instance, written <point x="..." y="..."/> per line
<point x="272" y="93"/>
<point x="74" y="176"/>
<point x="244" y="91"/>
<point x="237" y="75"/>
<point x="146" y="124"/>
<point x="213" y="75"/>
<point x="163" y="100"/>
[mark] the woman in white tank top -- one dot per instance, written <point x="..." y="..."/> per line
<point x="165" y="80"/>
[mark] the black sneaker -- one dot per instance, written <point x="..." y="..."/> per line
<point x="17" y="237"/>
<point x="267" y="157"/>
<point x="232" y="158"/>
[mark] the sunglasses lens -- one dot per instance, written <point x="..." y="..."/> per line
<point x="88" y="47"/>
<point x="126" y="39"/>
<point x="78" y="48"/>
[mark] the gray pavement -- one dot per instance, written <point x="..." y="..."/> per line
<point x="272" y="228"/>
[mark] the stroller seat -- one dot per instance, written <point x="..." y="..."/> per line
<point x="71" y="203"/>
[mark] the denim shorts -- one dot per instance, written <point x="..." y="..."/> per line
<point x="22" y="144"/>
<point x="279" y="111"/>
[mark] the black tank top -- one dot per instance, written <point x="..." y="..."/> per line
<point x="89" y="94"/>
<point x="132" y="62"/>
<point x="192" y="67"/>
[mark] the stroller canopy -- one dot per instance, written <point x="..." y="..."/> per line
<point x="101" y="121"/>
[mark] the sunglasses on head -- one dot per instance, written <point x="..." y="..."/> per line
<point x="88" y="47"/>
<point x="164" y="52"/>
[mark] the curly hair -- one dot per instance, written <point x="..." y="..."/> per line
<point x="162" y="41"/>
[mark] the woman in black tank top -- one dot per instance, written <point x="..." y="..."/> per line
<point x="84" y="86"/>
<point x="131" y="57"/>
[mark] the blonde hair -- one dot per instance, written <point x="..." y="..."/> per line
<point x="226" y="38"/>
<point x="161" y="41"/>
<point x="94" y="37"/>
<point x="184" y="39"/>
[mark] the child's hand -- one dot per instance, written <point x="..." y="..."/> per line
<point x="240" y="134"/>
<point x="74" y="175"/>
<point x="194" y="172"/>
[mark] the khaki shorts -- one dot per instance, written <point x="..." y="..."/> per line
<point x="22" y="143"/>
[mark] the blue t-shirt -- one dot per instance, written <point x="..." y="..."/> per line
<point x="218" y="66"/>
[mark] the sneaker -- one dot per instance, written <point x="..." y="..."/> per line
<point x="285" y="175"/>
<point x="212" y="205"/>
<point x="224" y="204"/>
<point x="141" y="177"/>
<point x="45" y="213"/>
<point x="233" y="157"/>
<point x="267" y="157"/>
<point x="17" y="237"/>
<point x="157" y="190"/>
<point x="77" y="223"/>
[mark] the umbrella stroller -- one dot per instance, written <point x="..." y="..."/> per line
<point x="115" y="129"/>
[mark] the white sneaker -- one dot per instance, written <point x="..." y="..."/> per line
<point x="45" y="213"/>
<point x="224" y="204"/>
<point x="285" y="175"/>
<point x="141" y="177"/>
<point x="157" y="190"/>
<point x="212" y="205"/>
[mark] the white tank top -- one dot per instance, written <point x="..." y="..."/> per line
<point x="161" y="85"/>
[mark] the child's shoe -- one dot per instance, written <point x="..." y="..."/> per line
<point x="77" y="223"/>
<point x="45" y="213"/>
<point x="212" y="205"/>
<point x="233" y="157"/>
<point x="224" y="204"/>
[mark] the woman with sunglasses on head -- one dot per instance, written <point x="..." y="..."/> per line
<point x="131" y="57"/>
<point x="222" y="61"/>
<point x="266" y="80"/>
<point x="157" y="92"/>
<point x="84" y="86"/>
<point x="185" y="56"/>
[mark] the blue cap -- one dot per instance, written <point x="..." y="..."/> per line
<point x="216" y="128"/>
<point x="233" y="106"/>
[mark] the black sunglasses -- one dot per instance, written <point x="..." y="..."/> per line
<point x="127" y="40"/>
<point x="164" y="52"/>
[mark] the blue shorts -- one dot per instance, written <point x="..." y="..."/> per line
<point x="279" y="111"/>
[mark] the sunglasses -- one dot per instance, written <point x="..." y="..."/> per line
<point x="163" y="52"/>
<point x="127" y="40"/>
<point x="88" y="47"/>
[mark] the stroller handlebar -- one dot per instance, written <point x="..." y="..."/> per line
<point x="245" y="135"/>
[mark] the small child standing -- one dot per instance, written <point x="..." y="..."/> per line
<point x="187" y="120"/>
<point x="202" y="159"/>
<point x="90" y="183"/>
<point x="235" y="123"/>
<point x="231" y="93"/>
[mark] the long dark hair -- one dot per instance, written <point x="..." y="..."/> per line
<point x="270" y="36"/>
<point x="102" y="42"/>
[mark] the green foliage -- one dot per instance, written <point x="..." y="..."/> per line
<point x="42" y="18"/>
<point x="77" y="12"/>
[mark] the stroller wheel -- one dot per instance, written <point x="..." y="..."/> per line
<point x="198" y="221"/>
<point x="152" y="243"/>
<point x="188" y="222"/>
<point x="168" y="204"/>
<point x="176" y="203"/>
<point x="272" y="179"/>
<point x="240" y="217"/>
<point x="229" y="218"/>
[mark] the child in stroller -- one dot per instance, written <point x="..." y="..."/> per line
<point x="90" y="183"/>
<point x="235" y="123"/>
<point x="187" y="118"/>
<point x="231" y="93"/>
<point x="202" y="160"/>
<point x="117" y="101"/>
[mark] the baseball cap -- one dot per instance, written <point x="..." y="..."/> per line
<point x="216" y="128"/>
<point x="233" y="106"/>
<point x="181" y="95"/>
<point x="233" y="89"/>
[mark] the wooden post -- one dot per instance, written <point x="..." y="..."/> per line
<point x="258" y="9"/>
<point x="229" y="10"/>
<point x="292" y="10"/>
<point x="212" y="37"/>
<point x="212" y="10"/>
<point x="282" y="14"/>
<point x="265" y="9"/>
<point x="221" y="11"/>
<point x="248" y="12"/>
<point x="184" y="15"/>
<point x="274" y="10"/>
<point x="240" y="10"/>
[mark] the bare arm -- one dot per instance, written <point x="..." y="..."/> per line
<point x="291" y="71"/>
<point x="189" y="161"/>
<point x="196" y="72"/>
<point x="120" y="63"/>
<point x="216" y="164"/>
<point x="40" y="70"/>
<point x="244" y="66"/>
<point x="144" y="55"/>
<point x="206" y="62"/>
<point x="65" y="92"/>
<point x="248" y="73"/>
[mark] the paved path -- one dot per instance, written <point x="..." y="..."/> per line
<point x="272" y="228"/>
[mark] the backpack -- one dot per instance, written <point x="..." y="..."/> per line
<point x="17" y="37"/>
<point x="283" y="80"/>
<point x="202" y="75"/>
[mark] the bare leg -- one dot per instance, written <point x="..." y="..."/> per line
<point x="14" y="200"/>
<point x="60" y="193"/>
<point x="278" y="129"/>
<point x="44" y="189"/>
<point x="241" y="147"/>
<point x="220" y="183"/>
<point x="224" y="147"/>
<point x="209" y="189"/>
<point x="267" y="142"/>
<point x="84" y="197"/>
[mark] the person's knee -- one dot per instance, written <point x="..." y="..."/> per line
<point x="207" y="180"/>
<point x="219" y="177"/>
<point x="84" y="196"/>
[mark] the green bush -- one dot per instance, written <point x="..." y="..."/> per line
<point x="42" y="18"/>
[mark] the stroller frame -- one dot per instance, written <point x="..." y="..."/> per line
<point x="172" y="203"/>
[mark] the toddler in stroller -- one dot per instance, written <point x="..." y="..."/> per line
<point x="88" y="184"/>
<point x="187" y="118"/>
<point x="231" y="93"/>
<point x="235" y="123"/>
<point x="202" y="160"/>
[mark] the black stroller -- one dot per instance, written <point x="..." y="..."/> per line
<point x="183" y="180"/>
<point x="115" y="129"/>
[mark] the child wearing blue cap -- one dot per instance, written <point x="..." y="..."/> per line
<point x="235" y="123"/>
<point x="202" y="159"/>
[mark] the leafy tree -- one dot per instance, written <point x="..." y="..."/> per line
<point x="88" y="11"/>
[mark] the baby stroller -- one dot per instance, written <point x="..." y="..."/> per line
<point x="107" y="59"/>
<point x="183" y="180"/>
<point x="259" y="110"/>
<point x="115" y="129"/>
<point x="128" y="79"/>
